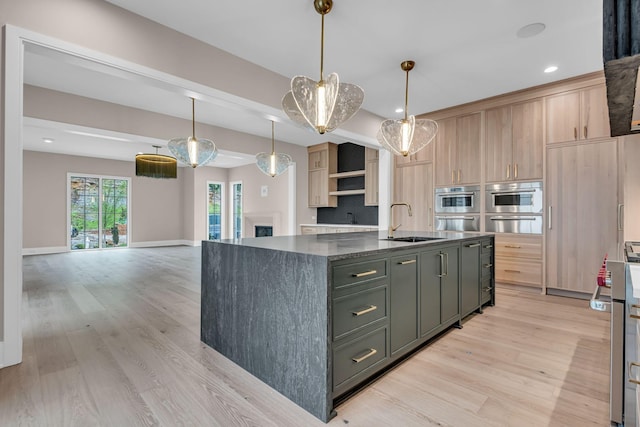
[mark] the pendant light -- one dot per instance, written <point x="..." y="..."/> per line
<point x="156" y="165"/>
<point x="409" y="135"/>
<point x="273" y="164"/>
<point x="324" y="105"/>
<point x="192" y="151"/>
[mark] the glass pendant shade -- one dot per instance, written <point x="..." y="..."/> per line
<point x="156" y="165"/>
<point x="273" y="164"/>
<point x="193" y="151"/>
<point x="406" y="136"/>
<point x="324" y="105"/>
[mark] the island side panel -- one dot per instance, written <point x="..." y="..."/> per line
<point x="267" y="311"/>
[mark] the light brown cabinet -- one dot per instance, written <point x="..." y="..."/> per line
<point x="578" y="115"/>
<point x="323" y="161"/>
<point x="457" y="150"/>
<point x="514" y="142"/>
<point x="414" y="185"/>
<point x="582" y="213"/>
<point x="371" y="173"/>
<point x="518" y="259"/>
<point x="422" y="156"/>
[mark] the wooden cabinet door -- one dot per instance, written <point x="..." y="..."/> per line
<point x="450" y="286"/>
<point x="527" y="137"/>
<point x="431" y="263"/>
<point x="582" y="193"/>
<point x="371" y="173"/>
<point x="318" y="188"/>
<point x="414" y="185"/>
<point x="563" y="117"/>
<point x="468" y="149"/>
<point x="444" y="146"/>
<point x="469" y="277"/>
<point x="594" y="113"/>
<point x="498" y="166"/>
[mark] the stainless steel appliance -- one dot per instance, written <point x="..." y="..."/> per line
<point x="457" y="208"/>
<point x="625" y="327"/>
<point x="527" y="224"/>
<point x="514" y="197"/>
<point x="457" y="222"/>
<point x="451" y="200"/>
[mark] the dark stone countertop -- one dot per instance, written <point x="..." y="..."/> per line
<point x="350" y="245"/>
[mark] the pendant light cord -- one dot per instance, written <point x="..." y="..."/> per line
<point x="273" y="143"/>
<point x="406" y="96"/>
<point x="322" y="49"/>
<point x="193" y="118"/>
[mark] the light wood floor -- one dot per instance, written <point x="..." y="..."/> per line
<point x="112" y="338"/>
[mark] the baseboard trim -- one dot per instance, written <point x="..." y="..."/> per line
<point x="159" y="243"/>
<point x="567" y="293"/>
<point x="45" y="251"/>
<point x="2" y="364"/>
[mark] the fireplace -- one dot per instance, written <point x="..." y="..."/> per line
<point x="263" y="230"/>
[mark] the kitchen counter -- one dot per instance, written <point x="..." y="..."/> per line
<point x="288" y="308"/>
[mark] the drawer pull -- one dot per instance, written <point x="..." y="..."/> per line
<point x="409" y="261"/>
<point x="487" y="289"/>
<point x="488" y="246"/>
<point x="631" y="377"/>
<point x="513" y="246"/>
<point x="369" y="353"/>
<point x="473" y="245"/>
<point x="365" y="311"/>
<point x="513" y="271"/>
<point x="488" y="265"/>
<point x="634" y="316"/>
<point x="366" y="273"/>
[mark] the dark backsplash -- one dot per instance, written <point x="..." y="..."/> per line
<point x="350" y="158"/>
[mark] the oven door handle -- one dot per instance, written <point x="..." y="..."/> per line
<point x="456" y="193"/>
<point x="465" y="218"/>
<point x="513" y="218"/>
<point x="511" y="193"/>
<point x="599" y="304"/>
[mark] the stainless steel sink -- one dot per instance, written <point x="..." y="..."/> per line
<point x="413" y="239"/>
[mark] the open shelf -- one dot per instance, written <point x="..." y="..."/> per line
<point x="346" y="192"/>
<point x="349" y="174"/>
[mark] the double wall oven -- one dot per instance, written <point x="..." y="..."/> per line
<point x="514" y="208"/>
<point x="457" y="208"/>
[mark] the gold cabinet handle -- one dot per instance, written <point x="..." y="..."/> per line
<point x="409" y="261"/>
<point x="515" y="171"/>
<point x="488" y="265"/>
<point x="459" y="173"/>
<point x="631" y="377"/>
<point x="473" y="245"/>
<point x="366" y="273"/>
<point x="365" y="311"/>
<point x="512" y="271"/>
<point x="453" y="179"/>
<point x="634" y="316"/>
<point x="369" y="353"/>
<point x="509" y="171"/>
<point x="575" y="133"/>
<point x="585" y="132"/>
<point x="513" y="246"/>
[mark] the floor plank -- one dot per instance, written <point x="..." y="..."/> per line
<point x="112" y="338"/>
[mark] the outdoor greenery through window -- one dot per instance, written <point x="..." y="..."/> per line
<point x="236" y="215"/>
<point x="215" y="211"/>
<point x="98" y="212"/>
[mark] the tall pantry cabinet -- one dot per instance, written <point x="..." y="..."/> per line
<point x="583" y="212"/>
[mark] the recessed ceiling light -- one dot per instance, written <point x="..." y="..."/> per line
<point x="550" y="69"/>
<point x="531" y="30"/>
<point x="48" y="140"/>
<point x="399" y="110"/>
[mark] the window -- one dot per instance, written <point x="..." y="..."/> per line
<point x="98" y="212"/>
<point x="236" y="210"/>
<point x="215" y="208"/>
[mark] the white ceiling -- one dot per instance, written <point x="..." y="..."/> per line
<point x="464" y="50"/>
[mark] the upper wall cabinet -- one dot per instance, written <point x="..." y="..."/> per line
<point x="514" y="142"/>
<point x="577" y="115"/>
<point x="422" y="156"/>
<point x="457" y="150"/>
<point x="323" y="161"/>
<point x="371" y="162"/>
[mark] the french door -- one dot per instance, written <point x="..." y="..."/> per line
<point x="98" y="211"/>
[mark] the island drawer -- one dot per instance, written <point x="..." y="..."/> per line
<point x="487" y="288"/>
<point x="487" y="247"/>
<point x="359" y="309"/>
<point x="520" y="272"/>
<point x="487" y="265"/>
<point x="357" y="272"/>
<point x="357" y="355"/>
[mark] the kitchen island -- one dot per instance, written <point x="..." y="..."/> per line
<point x="317" y="316"/>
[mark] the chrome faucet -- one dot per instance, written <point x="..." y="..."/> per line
<point x="391" y="227"/>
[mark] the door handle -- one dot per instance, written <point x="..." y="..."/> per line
<point x="441" y="255"/>
<point x="620" y="218"/>
<point x="473" y="245"/>
<point x="585" y="133"/>
<point x="549" y="216"/>
<point x="515" y="171"/>
<point x="509" y="171"/>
